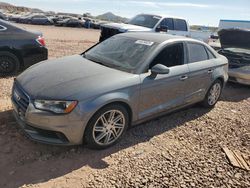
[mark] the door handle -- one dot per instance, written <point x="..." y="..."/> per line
<point x="184" y="77"/>
<point x="210" y="71"/>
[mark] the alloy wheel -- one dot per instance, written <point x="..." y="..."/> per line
<point x="214" y="94"/>
<point x="109" y="127"/>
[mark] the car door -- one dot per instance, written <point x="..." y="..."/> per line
<point x="201" y="67"/>
<point x="164" y="91"/>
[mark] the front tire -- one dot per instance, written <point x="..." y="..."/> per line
<point x="9" y="64"/>
<point x="106" y="127"/>
<point x="213" y="94"/>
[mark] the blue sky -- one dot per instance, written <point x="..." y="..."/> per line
<point x="206" y="12"/>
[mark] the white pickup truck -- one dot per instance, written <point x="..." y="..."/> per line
<point x="153" y="23"/>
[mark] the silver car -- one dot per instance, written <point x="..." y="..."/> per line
<point x="127" y="79"/>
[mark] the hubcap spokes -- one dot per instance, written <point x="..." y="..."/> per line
<point x="6" y="66"/>
<point x="214" y="94"/>
<point x="109" y="127"/>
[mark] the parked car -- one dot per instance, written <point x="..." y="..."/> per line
<point x="153" y="23"/>
<point x="24" y="18"/>
<point x="59" y="18"/>
<point x="70" y="22"/>
<point x="14" y="18"/>
<point x="235" y="45"/>
<point x="93" y="97"/>
<point x="40" y="20"/>
<point x="37" y="19"/>
<point x="19" y="48"/>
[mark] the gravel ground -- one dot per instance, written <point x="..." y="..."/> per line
<point x="182" y="149"/>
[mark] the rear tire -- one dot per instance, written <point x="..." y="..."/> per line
<point x="106" y="127"/>
<point x="9" y="64"/>
<point x="213" y="94"/>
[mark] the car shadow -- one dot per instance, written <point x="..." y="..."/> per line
<point x="25" y="162"/>
<point x="234" y="92"/>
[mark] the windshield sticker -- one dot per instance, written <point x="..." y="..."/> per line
<point x="147" y="43"/>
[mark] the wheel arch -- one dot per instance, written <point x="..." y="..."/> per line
<point x="117" y="102"/>
<point x="221" y="79"/>
<point x="14" y="52"/>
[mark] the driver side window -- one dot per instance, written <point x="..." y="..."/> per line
<point x="167" y="22"/>
<point x="170" y="56"/>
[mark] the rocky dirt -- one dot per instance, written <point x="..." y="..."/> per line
<point x="182" y="149"/>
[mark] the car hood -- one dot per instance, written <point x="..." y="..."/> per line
<point x="234" y="38"/>
<point x="73" y="78"/>
<point x="126" y="27"/>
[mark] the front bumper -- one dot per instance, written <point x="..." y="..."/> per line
<point x="46" y="127"/>
<point x="239" y="76"/>
<point x="41" y="135"/>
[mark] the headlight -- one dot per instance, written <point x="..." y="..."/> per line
<point x="59" y="107"/>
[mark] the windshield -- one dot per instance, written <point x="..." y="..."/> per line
<point x="145" y="20"/>
<point x="121" y="53"/>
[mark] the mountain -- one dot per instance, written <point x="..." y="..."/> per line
<point x="109" y="16"/>
<point x="6" y="7"/>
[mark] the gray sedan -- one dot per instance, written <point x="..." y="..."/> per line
<point x="94" y="97"/>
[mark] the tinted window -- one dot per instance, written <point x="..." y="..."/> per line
<point x="180" y="25"/>
<point x="170" y="56"/>
<point x="168" y="22"/>
<point x="196" y="52"/>
<point x="145" y="20"/>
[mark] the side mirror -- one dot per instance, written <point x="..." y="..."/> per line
<point x="159" y="69"/>
<point x="162" y="28"/>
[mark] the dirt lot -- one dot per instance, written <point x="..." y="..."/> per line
<point x="182" y="149"/>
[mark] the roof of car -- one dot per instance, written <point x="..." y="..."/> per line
<point x="154" y="37"/>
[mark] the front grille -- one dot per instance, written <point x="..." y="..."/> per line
<point x="20" y="98"/>
<point x="108" y="32"/>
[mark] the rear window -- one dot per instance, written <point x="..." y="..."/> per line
<point x="196" y="52"/>
<point x="180" y="25"/>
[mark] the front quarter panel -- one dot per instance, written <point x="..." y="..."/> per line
<point x="128" y="96"/>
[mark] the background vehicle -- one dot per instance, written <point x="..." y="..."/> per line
<point x="14" y="17"/>
<point x="41" y="20"/>
<point x="153" y="23"/>
<point x="235" y="45"/>
<point x="71" y="22"/>
<point x="36" y="19"/>
<point x="124" y="80"/>
<point x="59" y="18"/>
<point x="19" y="48"/>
